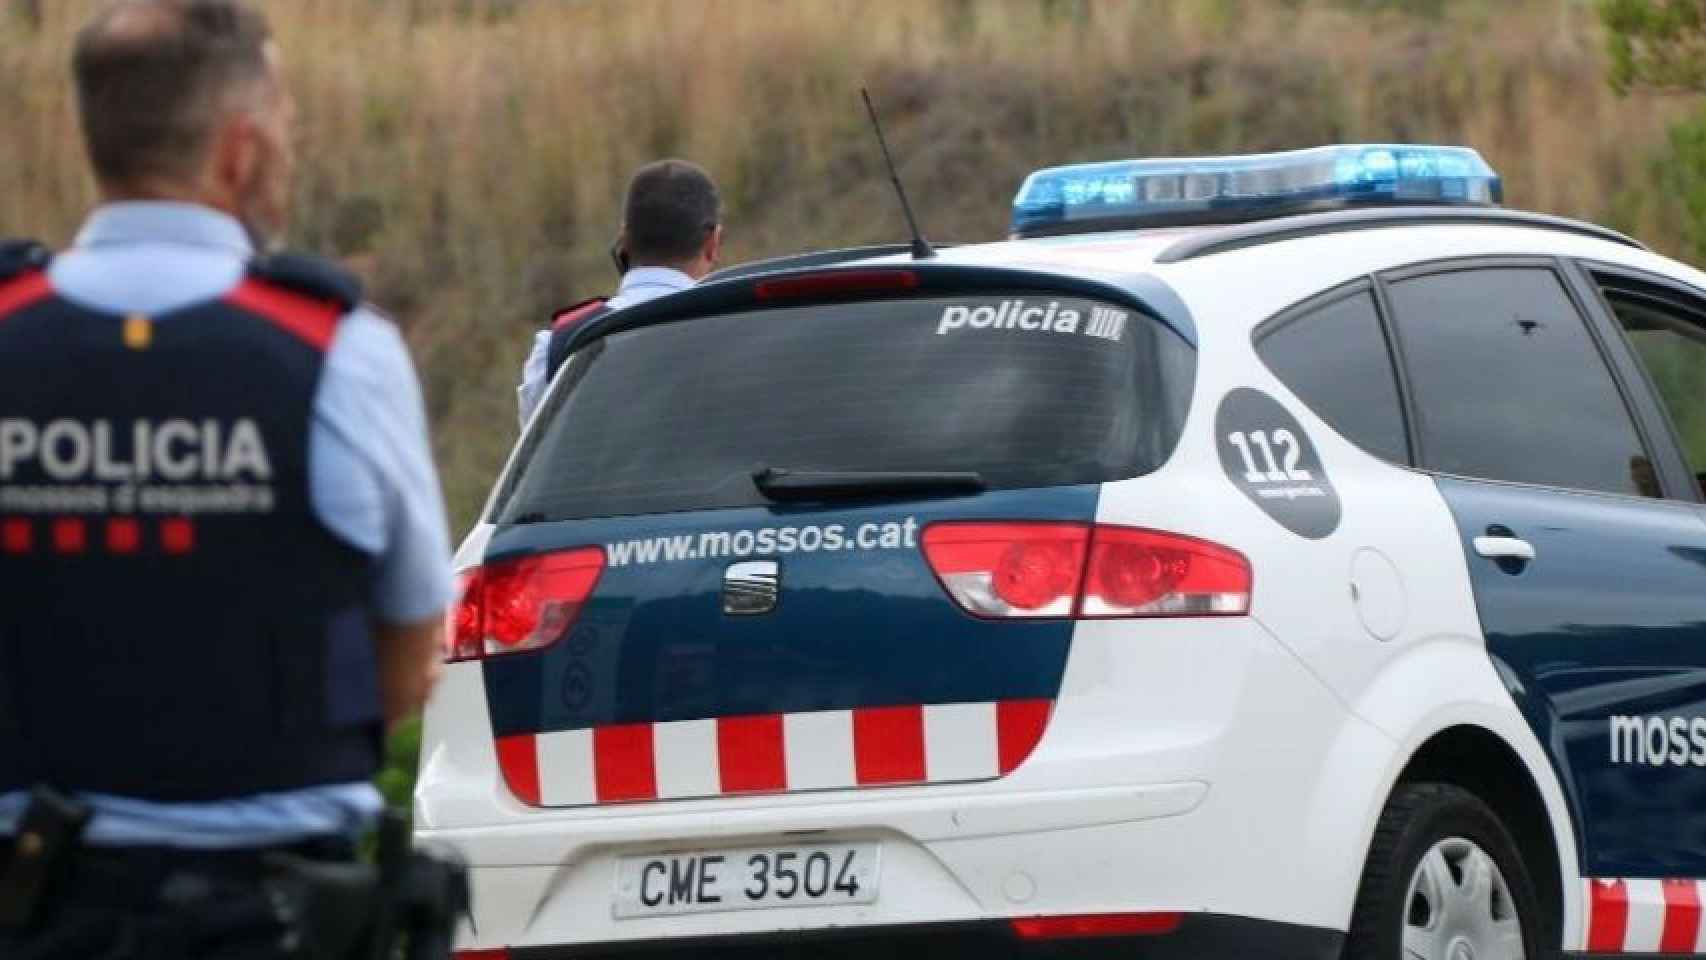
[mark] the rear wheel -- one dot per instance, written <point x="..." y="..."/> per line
<point x="1444" y="881"/>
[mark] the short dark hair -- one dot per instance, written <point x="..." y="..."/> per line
<point x="672" y="205"/>
<point x="153" y="76"/>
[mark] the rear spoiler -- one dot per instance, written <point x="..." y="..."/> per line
<point x="817" y="258"/>
<point x="807" y="285"/>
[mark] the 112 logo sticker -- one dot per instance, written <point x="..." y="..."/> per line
<point x="1267" y="455"/>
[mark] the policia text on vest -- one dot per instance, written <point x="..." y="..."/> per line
<point x="103" y="467"/>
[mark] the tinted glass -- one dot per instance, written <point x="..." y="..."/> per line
<point x="1027" y="390"/>
<point x="1509" y="384"/>
<point x="1672" y="344"/>
<point x="1335" y="358"/>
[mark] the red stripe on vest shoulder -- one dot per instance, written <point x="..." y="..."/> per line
<point x="576" y="314"/>
<point x="22" y="291"/>
<point x="309" y="319"/>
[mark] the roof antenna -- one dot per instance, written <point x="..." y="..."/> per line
<point x="921" y="249"/>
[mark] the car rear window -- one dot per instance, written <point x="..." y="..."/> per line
<point x="1027" y="390"/>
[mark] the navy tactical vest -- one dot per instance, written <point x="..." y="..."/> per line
<point x="563" y="325"/>
<point x="176" y="624"/>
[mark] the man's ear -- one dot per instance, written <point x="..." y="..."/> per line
<point x="619" y="251"/>
<point x="234" y="156"/>
<point x="713" y="244"/>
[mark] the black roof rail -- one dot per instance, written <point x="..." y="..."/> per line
<point x="816" y="258"/>
<point x="1238" y="237"/>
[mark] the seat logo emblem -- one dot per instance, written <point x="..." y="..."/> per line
<point x="751" y="587"/>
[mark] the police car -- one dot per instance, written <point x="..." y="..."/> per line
<point x="1284" y="556"/>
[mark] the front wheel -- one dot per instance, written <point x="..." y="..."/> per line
<point x="1444" y="881"/>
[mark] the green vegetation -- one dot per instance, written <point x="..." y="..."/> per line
<point x="397" y="780"/>
<point x="468" y="156"/>
<point x="1679" y="174"/>
<point x="1656" y="43"/>
<point x="1661" y="45"/>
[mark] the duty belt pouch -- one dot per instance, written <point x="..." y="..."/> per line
<point x="48" y="835"/>
<point x="330" y="907"/>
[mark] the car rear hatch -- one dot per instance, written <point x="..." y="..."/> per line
<point x="811" y="532"/>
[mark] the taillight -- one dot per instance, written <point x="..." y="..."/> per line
<point x="1143" y="573"/>
<point x="1023" y="570"/>
<point x="1009" y="570"/>
<point x="463" y="622"/>
<point x="527" y="603"/>
<point x="1096" y="925"/>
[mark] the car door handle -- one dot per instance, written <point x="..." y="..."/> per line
<point x="1504" y="548"/>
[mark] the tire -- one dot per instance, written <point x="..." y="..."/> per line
<point x="1453" y="902"/>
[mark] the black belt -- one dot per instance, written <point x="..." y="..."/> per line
<point x="127" y="875"/>
<point x="315" y="890"/>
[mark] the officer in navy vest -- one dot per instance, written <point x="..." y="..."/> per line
<point x="671" y="237"/>
<point x="223" y="559"/>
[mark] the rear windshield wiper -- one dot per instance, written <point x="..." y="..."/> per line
<point x="790" y="485"/>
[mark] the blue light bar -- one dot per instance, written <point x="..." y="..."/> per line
<point x="1176" y="192"/>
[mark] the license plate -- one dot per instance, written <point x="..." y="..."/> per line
<point x="750" y="878"/>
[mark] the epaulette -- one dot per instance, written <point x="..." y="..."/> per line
<point x="311" y="276"/>
<point x="21" y="256"/>
<point x="571" y="315"/>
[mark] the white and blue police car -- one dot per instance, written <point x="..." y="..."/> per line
<point x="1282" y="556"/>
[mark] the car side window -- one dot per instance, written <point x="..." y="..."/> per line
<point x="1336" y="359"/>
<point x="1509" y="383"/>
<point x="1668" y="332"/>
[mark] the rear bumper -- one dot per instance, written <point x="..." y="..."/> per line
<point x="1113" y="813"/>
<point x="1200" y="936"/>
<point x="969" y="860"/>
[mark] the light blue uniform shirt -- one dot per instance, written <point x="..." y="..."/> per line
<point x="638" y="285"/>
<point x="371" y="482"/>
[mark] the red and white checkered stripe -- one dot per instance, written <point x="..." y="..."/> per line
<point x="1646" y="916"/>
<point x="776" y="753"/>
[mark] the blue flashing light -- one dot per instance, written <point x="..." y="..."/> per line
<point x="1173" y="192"/>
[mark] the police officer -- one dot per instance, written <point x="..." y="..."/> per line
<point x="223" y="555"/>
<point x="671" y="236"/>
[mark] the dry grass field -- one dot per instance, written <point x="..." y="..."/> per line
<point x="468" y="156"/>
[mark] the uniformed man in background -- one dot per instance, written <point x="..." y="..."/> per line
<point x="223" y="554"/>
<point x="672" y="234"/>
